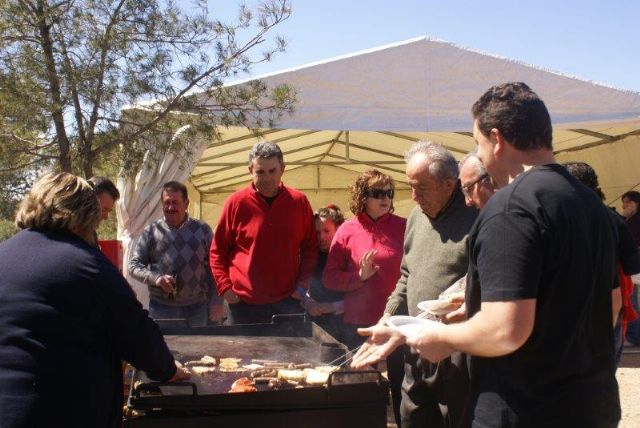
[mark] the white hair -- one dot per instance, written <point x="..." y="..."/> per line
<point x="442" y="164"/>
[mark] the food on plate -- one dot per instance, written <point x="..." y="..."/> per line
<point x="243" y="384"/>
<point x="206" y="361"/>
<point x="315" y="377"/>
<point x="275" y="383"/>
<point x="202" y="370"/>
<point x="264" y="373"/>
<point x="262" y="361"/>
<point x="295" y="375"/>
<point x="253" y="366"/>
<point x="230" y="365"/>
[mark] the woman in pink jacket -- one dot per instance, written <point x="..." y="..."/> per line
<point x="364" y="258"/>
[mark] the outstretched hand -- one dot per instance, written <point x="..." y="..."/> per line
<point x="382" y="342"/>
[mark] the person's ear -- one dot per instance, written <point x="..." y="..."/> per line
<point x="499" y="143"/>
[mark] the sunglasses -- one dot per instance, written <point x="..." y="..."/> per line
<point x="379" y="193"/>
<point x="466" y="188"/>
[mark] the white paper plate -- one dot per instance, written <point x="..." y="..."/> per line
<point x="408" y="326"/>
<point x="430" y="307"/>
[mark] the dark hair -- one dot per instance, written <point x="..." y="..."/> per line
<point x="104" y="185"/>
<point x="368" y="180"/>
<point x="175" y="186"/>
<point x="586" y="175"/>
<point x="632" y="195"/>
<point x="331" y="212"/>
<point x="265" y="150"/>
<point x="518" y="113"/>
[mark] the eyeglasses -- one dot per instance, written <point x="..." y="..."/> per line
<point x="379" y="193"/>
<point x="466" y="188"/>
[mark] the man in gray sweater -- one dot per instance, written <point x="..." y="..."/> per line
<point x="435" y="256"/>
<point x="172" y="258"/>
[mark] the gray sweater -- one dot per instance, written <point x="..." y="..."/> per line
<point x="184" y="252"/>
<point x="435" y="255"/>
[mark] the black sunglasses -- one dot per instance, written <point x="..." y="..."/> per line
<point x="466" y="188"/>
<point x="380" y="193"/>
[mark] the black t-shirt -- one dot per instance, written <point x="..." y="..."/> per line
<point x="546" y="237"/>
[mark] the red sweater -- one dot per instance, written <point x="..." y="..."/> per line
<point x="364" y="301"/>
<point x="261" y="252"/>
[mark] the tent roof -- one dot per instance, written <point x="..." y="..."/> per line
<point x="364" y="110"/>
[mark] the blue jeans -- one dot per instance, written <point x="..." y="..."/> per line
<point x="633" y="328"/>
<point x="196" y="315"/>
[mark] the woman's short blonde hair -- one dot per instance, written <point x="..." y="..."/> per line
<point x="371" y="179"/>
<point x="60" y="202"/>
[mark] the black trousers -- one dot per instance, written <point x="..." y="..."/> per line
<point x="244" y="313"/>
<point x="435" y="395"/>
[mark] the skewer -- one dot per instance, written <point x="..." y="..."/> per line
<point x="347" y="359"/>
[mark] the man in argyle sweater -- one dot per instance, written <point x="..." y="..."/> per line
<point x="172" y="258"/>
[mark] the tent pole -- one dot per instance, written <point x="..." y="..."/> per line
<point x="346" y="146"/>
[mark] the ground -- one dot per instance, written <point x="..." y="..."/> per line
<point x="628" y="376"/>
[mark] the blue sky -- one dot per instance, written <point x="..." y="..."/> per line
<point x="595" y="40"/>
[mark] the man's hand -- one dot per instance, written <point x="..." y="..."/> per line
<point x="230" y="297"/>
<point x="367" y="267"/>
<point x="317" y="308"/>
<point x="382" y="341"/>
<point x="459" y="314"/>
<point x="181" y="373"/>
<point x="428" y="343"/>
<point x="167" y="283"/>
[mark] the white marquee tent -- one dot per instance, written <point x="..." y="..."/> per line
<point x="364" y="110"/>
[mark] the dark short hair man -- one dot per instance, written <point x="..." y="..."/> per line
<point x="107" y="194"/>
<point x="541" y="272"/>
<point x="265" y="247"/>
<point x="171" y="257"/>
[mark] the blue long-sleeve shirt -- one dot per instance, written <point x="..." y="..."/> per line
<point x="67" y="319"/>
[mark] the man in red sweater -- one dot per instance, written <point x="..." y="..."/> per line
<point x="265" y="248"/>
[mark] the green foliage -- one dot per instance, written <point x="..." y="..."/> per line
<point x="69" y="69"/>
<point x="7" y="229"/>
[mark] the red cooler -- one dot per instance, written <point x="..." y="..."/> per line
<point x="112" y="249"/>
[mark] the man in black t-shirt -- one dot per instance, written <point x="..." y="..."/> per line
<point x="540" y="280"/>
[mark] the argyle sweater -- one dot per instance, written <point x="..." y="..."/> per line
<point x="164" y="250"/>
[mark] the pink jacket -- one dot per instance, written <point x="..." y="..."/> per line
<point x="364" y="301"/>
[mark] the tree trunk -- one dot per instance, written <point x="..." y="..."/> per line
<point x="57" y="112"/>
<point x="87" y="164"/>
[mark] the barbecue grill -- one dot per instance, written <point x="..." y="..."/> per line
<point x="350" y="398"/>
